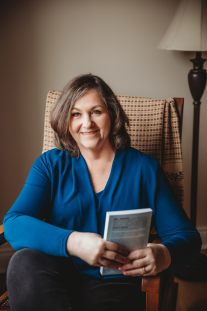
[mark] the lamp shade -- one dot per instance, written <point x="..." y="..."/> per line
<point x="188" y="29"/>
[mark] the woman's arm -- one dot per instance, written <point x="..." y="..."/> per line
<point x="24" y="223"/>
<point x="173" y="225"/>
<point x="180" y="241"/>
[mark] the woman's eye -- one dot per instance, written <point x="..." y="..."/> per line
<point x="97" y="112"/>
<point x="75" y="114"/>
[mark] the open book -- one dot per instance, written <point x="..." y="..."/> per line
<point x="129" y="228"/>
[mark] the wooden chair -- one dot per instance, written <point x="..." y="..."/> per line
<point x="155" y="129"/>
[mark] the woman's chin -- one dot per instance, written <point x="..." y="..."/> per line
<point x="89" y="146"/>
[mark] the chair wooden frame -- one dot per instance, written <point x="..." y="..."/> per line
<point x="152" y="286"/>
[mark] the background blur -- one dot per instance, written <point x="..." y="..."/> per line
<point x="45" y="43"/>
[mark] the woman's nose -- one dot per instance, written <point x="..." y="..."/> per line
<point x="87" y="121"/>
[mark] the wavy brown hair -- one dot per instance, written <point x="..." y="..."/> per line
<point x="75" y="89"/>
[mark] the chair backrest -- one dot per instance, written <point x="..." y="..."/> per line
<point x="155" y="128"/>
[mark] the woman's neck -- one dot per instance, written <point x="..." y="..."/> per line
<point x="105" y="155"/>
<point x="99" y="167"/>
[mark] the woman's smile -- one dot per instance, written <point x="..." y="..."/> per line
<point x="89" y="133"/>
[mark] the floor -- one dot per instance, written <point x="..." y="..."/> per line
<point x="192" y="296"/>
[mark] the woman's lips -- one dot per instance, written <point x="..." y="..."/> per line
<point x="89" y="132"/>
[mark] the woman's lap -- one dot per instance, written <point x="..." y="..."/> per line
<point x="37" y="281"/>
<point x="116" y="295"/>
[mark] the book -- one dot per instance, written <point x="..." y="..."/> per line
<point x="129" y="228"/>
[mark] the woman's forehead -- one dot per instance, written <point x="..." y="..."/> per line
<point x="90" y="98"/>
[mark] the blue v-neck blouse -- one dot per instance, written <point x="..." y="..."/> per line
<point x="58" y="198"/>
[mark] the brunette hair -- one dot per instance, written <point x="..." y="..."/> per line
<point x="75" y="89"/>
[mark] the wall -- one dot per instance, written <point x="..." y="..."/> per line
<point x="46" y="43"/>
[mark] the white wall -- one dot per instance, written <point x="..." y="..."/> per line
<point x="46" y="43"/>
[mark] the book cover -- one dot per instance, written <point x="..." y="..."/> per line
<point x="129" y="228"/>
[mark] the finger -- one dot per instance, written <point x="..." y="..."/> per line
<point x="116" y="247"/>
<point x="143" y="271"/>
<point x="117" y="257"/>
<point x="138" y="254"/>
<point x="108" y="263"/>
<point x="135" y="264"/>
<point x="149" y="270"/>
<point x="135" y="272"/>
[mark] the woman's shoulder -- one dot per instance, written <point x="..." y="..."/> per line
<point x="52" y="158"/>
<point x="137" y="155"/>
<point x="139" y="162"/>
<point x="55" y="153"/>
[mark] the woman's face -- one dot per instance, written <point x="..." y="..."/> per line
<point x="90" y="122"/>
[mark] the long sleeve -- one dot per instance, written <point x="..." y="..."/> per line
<point x="172" y="224"/>
<point x="25" y="224"/>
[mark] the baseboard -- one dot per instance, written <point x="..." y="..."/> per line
<point x="203" y="233"/>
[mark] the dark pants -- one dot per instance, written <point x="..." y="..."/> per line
<point x="36" y="281"/>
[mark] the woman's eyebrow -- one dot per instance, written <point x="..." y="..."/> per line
<point x="74" y="108"/>
<point x="98" y="106"/>
<point x="94" y="107"/>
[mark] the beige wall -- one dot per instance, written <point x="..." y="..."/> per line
<point x="46" y="43"/>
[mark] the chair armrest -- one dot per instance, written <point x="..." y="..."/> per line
<point x="3" y="295"/>
<point x="161" y="291"/>
<point x="2" y="238"/>
<point x="151" y="286"/>
<point x="4" y="301"/>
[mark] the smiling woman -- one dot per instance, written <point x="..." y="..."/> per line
<point x="57" y="221"/>
<point x="101" y="101"/>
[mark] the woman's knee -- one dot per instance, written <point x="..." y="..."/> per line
<point x="32" y="278"/>
<point x="23" y="262"/>
<point x="21" y="272"/>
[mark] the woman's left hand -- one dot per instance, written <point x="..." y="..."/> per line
<point x="148" y="261"/>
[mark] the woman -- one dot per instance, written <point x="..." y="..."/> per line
<point x="57" y="221"/>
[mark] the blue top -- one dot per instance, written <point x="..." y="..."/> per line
<point x="58" y="198"/>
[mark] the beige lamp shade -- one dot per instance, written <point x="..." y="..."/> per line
<point x="188" y="29"/>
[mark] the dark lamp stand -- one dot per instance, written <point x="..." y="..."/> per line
<point x="197" y="83"/>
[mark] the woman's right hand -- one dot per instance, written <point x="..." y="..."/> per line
<point x="91" y="248"/>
